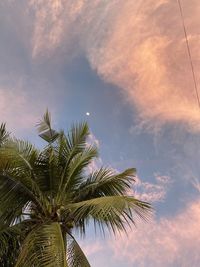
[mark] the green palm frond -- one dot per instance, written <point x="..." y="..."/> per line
<point x="45" y="123"/>
<point x="105" y="182"/>
<point x="4" y="135"/>
<point x="45" y="129"/>
<point x="14" y="197"/>
<point x="77" y="137"/>
<point x="20" y="153"/>
<point x="72" y="144"/>
<point x="48" y="171"/>
<point x="17" y="159"/>
<point x="111" y="211"/>
<point x="11" y="238"/>
<point x="74" y="175"/>
<point x="76" y="256"/>
<point x="43" y="247"/>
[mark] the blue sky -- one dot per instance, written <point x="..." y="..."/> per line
<point x="125" y="63"/>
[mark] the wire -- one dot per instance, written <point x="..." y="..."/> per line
<point x="189" y="52"/>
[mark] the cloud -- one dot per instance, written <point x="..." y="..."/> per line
<point x="16" y="110"/>
<point x="196" y="183"/>
<point x="53" y="23"/>
<point x="22" y="104"/>
<point x="150" y="63"/>
<point x="92" y="140"/>
<point x="165" y="242"/>
<point x="91" y="248"/>
<point x="133" y="45"/>
<point x="151" y="192"/>
<point x="96" y="163"/>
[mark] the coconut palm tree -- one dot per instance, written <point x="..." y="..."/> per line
<point x="45" y="194"/>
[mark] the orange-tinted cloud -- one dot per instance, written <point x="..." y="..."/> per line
<point x="16" y="111"/>
<point x="21" y="109"/>
<point x="167" y="242"/>
<point x="139" y="46"/>
<point x="145" y="55"/>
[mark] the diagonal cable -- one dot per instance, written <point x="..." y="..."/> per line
<point x="189" y="52"/>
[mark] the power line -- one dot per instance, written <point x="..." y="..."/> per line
<point x="189" y="52"/>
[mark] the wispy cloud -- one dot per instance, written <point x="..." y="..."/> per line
<point x="196" y="184"/>
<point x="92" y="140"/>
<point x="96" y="163"/>
<point x="166" y="242"/>
<point x="22" y="107"/>
<point x="133" y="45"/>
<point x="92" y="248"/>
<point x="16" y="110"/>
<point x="152" y="192"/>
<point x="150" y="63"/>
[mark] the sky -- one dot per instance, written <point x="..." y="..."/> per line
<point x="126" y="63"/>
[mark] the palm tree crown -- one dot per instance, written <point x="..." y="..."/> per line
<point x="47" y="193"/>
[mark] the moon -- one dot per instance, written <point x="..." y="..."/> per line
<point x="87" y="113"/>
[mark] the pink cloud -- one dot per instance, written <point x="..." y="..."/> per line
<point x="172" y="241"/>
<point x="92" y="248"/>
<point x="95" y="164"/>
<point x="16" y="110"/>
<point x="151" y="192"/>
<point x="20" y="108"/>
<point x="133" y="45"/>
<point x="150" y="63"/>
<point x="92" y="140"/>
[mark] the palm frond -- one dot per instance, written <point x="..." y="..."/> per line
<point x="4" y="135"/>
<point x="72" y="144"/>
<point x="45" y="129"/>
<point x="17" y="159"/>
<point x="75" y="255"/>
<point x="45" y="123"/>
<point x="74" y="175"/>
<point x="105" y="182"/>
<point x="43" y="247"/>
<point x="77" y="136"/>
<point x="69" y="146"/>
<point x="114" y="212"/>
<point x="11" y="238"/>
<point x="21" y="153"/>
<point x="14" y="197"/>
